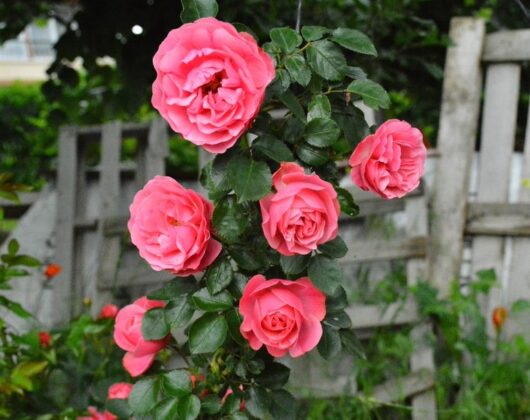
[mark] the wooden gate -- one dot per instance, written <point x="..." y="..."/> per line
<point x="495" y="217"/>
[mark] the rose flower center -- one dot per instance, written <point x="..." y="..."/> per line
<point x="214" y="83"/>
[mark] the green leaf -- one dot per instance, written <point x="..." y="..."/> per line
<point x="319" y="107"/>
<point x="218" y="276"/>
<point x="154" y="324"/>
<point x="336" y="248"/>
<point x="229" y="220"/>
<point x="258" y="403"/>
<point x="322" y="132"/>
<point x="354" y="40"/>
<point x="371" y="93"/>
<point x="325" y="273"/>
<point x="313" y="33"/>
<point x="289" y="99"/>
<point x="329" y="345"/>
<point x="273" y="148"/>
<point x="337" y="301"/>
<point x="119" y="407"/>
<point x="179" y="312"/>
<point x="294" y="264"/>
<point x="251" y="180"/>
<point x="176" y="383"/>
<point x="274" y="376"/>
<point x="347" y="204"/>
<point x="144" y="395"/>
<point x="294" y="130"/>
<point x="174" y="288"/>
<point x="338" y="320"/>
<point x="313" y="156"/>
<point x="195" y="9"/>
<point x="212" y="303"/>
<point x="233" y="318"/>
<point x="207" y="333"/>
<point x="298" y="69"/>
<point x="520" y="305"/>
<point x="166" y="409"/>
<point x="246" y="257"/>
<point x="14" y="307"/>
<point x="356" y="73"/>
<point x="286" y="39"/>
<point x="211" y="404"/>
<point x="189" y="407"/>
<point x="283" y="405"/>
<point x="327" y="60"/>
<point x="13" y="247"/>
<point x="281" y="82"/>
<point x="351" y="344"/>
<point x="24" y="260"/>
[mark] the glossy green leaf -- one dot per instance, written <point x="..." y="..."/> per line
<point x="272" y="148"/>
<point x="351" y="344"/>
<point x="336" y="301"/>
<point x="354" y="40"/>
<point x="233" y="319"/>
<point x="251" y="180"/>
<point x="229" y="220"/>
<point x="211" y="404"/>
<point x="259" y="402"/>
<point x="336" y="248"/>
<point x="274" y="376"/>
<point x="319" y="107"/>
<point x="321" y="132"/>
<point x="179" y="312"/>
<point x="329" y="345"/>
<point x="370" y="92"/>
<point x="218" y="276"/>
<point x="325" y="273"/>
<point x="195" y="9"/>
<point x="144" y="395"/>
<point x="177" y="383"/>
<point x="174" y="288"/>
<point x="154" y="324"/>
<point x="212" y="303"/>
<point x="298" y="69"/>
<point x="326" y="60"/>
<point x="294" y="264"/>
<point x="338" y="320"/>
<point x="283" y="405"/>
<point x="313" y="33"/>
<point x="291" y="101"/>
<point x="312" y="155"/>
<point x="189" y="407"/>
<point x="347" y="204"/>
<point x="286" y="39"/>
<point x="207" y="333"/>
<point x="166" y="409"/>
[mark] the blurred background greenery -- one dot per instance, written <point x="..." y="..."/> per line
<point x="101" y="65"/>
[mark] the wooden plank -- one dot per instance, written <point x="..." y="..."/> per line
<point x="66" y="195"/>
<point x="519" y="270"/>
<point x="507" y="46"/>
<point x="456" y="141"/>
<point x="141" y="275"/>
<point x="372" y="316"/>
<point x="498" y="219"/>
<point x="109" y="246"/>
<point x="495" y="162"/>
<point x="423" y="404"/>
<point x="377" y="250"/>
<point x="398" y="389"/>
<point x="157" y="149"/>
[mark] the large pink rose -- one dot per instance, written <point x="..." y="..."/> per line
<point x="283" y="315"/>
<point x="119" y="390"/>
<point x="302" y="214"/>
<point x="389" y="162"/>
<point x="170" y="225"/>
<point x="210" y="82"/>
<point x="128" y="335"/>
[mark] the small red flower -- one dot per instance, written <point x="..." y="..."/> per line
<point x="45" y="339"/>
<point x="498" y="317"/>
<point x="52" y="270"/>
<point x="108" y="311"/>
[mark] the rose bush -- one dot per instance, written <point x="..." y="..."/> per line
<point x="210" y="82"/>
<point x="170" y="225"/>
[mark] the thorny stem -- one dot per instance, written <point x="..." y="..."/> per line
<point x="299" y="15"/>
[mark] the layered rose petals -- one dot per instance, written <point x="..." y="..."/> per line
<point x="170" y="226"/>
<point x="128" y="335"/>
<point x="210" y="82"/>
<point x="389" y="162"/>
<point x="302" y="214"/>
<point x="283" y="315"/>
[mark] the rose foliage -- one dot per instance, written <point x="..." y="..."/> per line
<point x="255" y="261"/>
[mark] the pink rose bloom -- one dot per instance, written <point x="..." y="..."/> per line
<point x="302" y="214"/>
<point x="96" y="415"/>
<point x="108" y="311"/>
<point x="210" y="82"/>
<point x="128" y="335"/>
<point x="390" y="162"/>
<point x="170" y="226"/>
<point x="120" y="390"/>
<point x="283" y="315"/>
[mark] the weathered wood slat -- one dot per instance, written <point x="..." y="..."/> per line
<point x="64" y="251"/>
<point x="142" y="275"/>
<point x="400" y="388"/>
<point x="497" y="144"/>
<point x="456" y="141"/>
<point x="498" y="219"/>
<point x="507" y="46"/>
<point x="372" y="316"/>
<point x="376" y="250"/>
<point x="129" y="128"/>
